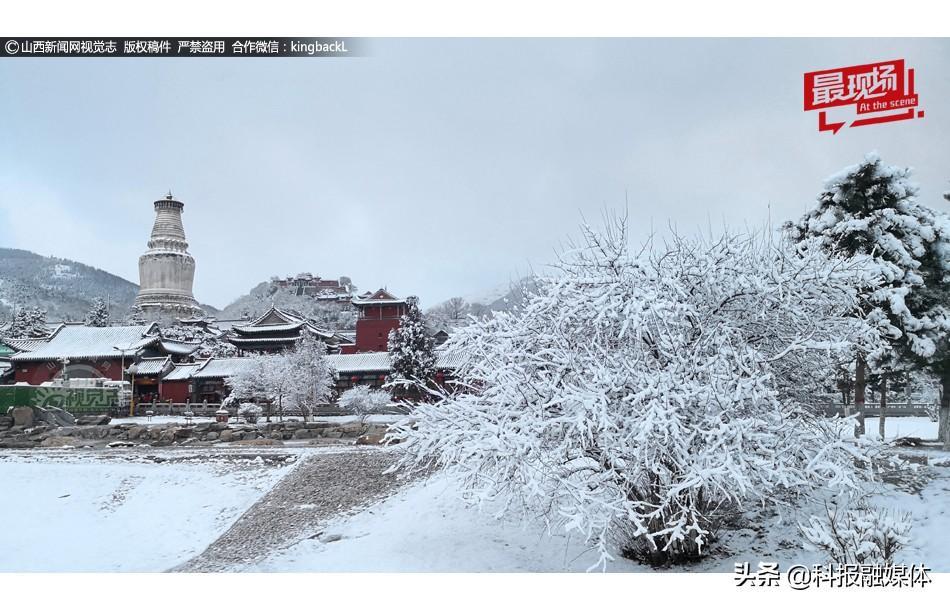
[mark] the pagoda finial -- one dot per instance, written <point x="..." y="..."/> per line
<point x="169" y="196"/>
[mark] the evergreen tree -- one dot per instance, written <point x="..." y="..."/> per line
<point x="870" y="210"/>
<point x="411" y="354"/>
<point x="28" y="322"/>
<point x="98" y="314"/>
<point x="135" y="317"/>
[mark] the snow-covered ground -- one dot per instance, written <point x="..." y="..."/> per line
<point x="426" y="528"/>
<point x="78" y="512"/>
<point x="902" y="427"/>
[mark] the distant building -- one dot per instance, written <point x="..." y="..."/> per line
<point x="308" y="285"/>
<point x="167" y="270"/>
<point x="277" y="330"/>
<point x="380" y="312"/>
<point x="91" y="352"/>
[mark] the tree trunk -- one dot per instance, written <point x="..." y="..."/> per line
<point x="943" y="432"/>
<point x="882" y="416"/>
<point x="860" y="389"/>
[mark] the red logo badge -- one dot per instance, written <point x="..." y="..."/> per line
<point x="884" y="92"/>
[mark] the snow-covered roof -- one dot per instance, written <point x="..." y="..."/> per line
<point x="379" y="362"/>
<point x="91" y="342"/>
<point x="380" y="297"/>
<point x="246" y="341"/>
<point x="179" y="348"/>
<point x="268" y="328"/>
<point x="183" y="372"/>
<point x="359" y="362"/>
<point x="150" y="366"/>
<point x="216" y="368"/>
<point x="25" y="344"/>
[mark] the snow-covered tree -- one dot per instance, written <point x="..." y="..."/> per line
<point x="308" y="375"/>
<point x="28" y="322"/>
<point x="262" y="379"/>
<point x="635" y="399"/>
<point x="363" y="401"/>
<point x="98" y="314"/>
<point x="135" y="317"/>
<point x="411" y="354"/>
<point x="870" y="210"/>
<point x="210" y="345"/>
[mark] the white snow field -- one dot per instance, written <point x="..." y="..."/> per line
<point x="902" y="427"/>
<point x="84" y="512"/>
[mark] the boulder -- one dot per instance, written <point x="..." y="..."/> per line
<point x="219" y="427"/>
<point x="120" y="444"/>
<point x="22" y="416"/>
<point x="136" y="432"/>
<point x="6" y="421"/>
<point x="211" y="435"/>
<point x="94" y="420"/>
<point x="226" y="436"/>
<point x="16" y="442"/>
<point x="303" y="434"/>
<point x="53" y="416"/>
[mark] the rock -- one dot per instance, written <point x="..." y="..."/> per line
<point x="303" y="434"/>
<point x="136" y="432"/>
<point x="219" y="427"/>
<point x="202" y="427"/>
<point x="333" y="433"/>
<point x="352" y="428"/>
<point x="227" y="435"/>
<point x="94" y="420"/>
<point x="211" y="435"/>
<point x="22" y="416"/>
<point x="60" y="442"/>
<point x="54" y="417"/>
<point x="330" y="538"/>
<point x="370" y="439"/>
<point x="16" y="443"/>
<point x="93" y="432"/>
<point x="120" y="444"/>
<point x="182" y="432"/>
<point x="6" y="421"/>
<point x="318" y="425"/>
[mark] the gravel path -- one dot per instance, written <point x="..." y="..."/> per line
<point x="321" y="486"/>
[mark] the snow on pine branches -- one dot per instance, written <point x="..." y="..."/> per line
<point x="635" y="398"/>
<point x="411" y="352"/>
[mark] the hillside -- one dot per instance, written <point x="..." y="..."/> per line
<point x="64" y="288"/>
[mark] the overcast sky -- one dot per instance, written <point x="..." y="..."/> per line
<point x="433" y="167"/>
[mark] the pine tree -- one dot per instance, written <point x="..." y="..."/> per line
<point x="411" y="354"/>
<point x="135" y="317"/>
<point x="28" y="322"/>
<point x="98" y="314"/>
<point x="870" y="210"/>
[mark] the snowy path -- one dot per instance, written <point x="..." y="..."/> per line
<point x="323" y="485"/>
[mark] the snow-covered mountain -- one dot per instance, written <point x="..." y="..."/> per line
<point x="64" y="288"/>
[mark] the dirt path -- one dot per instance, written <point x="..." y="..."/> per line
<point x="319" y="488"/>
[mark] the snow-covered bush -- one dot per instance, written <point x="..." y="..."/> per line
<point x="640" y="400"/>
<point x="860" y="535"/>
<point x="363" y="401"/>
<point x="250" y="411"/>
